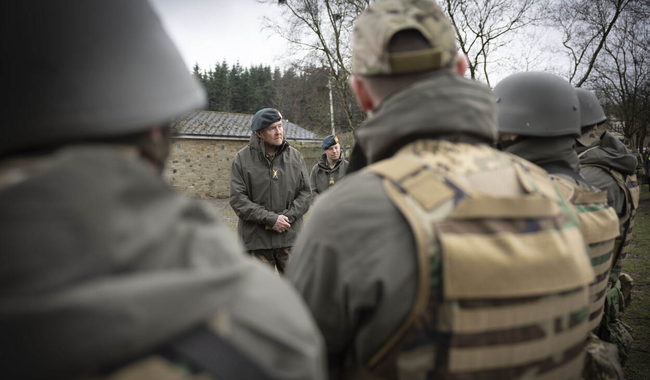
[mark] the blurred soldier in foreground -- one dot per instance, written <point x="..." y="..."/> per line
<point x="608" y="165"/>
<point x="330" y="168"/>
<point x="539" y="121"/>
<point x="105" y="270"/>
<point x="444" y="258"/>
<point x="269" y="191"/>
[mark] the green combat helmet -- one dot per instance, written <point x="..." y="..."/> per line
<point x="592" y="117"/>
<point x="591" y="112"/>
<point x="87" y="69"/>
<point x="537" y="104"/>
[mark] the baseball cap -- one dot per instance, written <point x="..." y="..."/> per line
<point x="377" y="25"/>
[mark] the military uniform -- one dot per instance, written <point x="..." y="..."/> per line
<point x="125" y="254"/>
<point x="404" y="264"/>
<point x="610" y="167"/>
<point x="545" y="135"/>
<point x="604" y="159"/>
<point x="323" y="176"/>
<point x="262" y="187"/>
<point x="106" y="271"/>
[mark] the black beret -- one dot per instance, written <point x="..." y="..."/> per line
<point x="329" y="141"/>
<point x="265" y="117"/>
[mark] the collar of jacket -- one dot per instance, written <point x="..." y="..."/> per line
<point x="544" y="150"/>
<point x="442" y="104"/>
<point x="257" y="143"/>
<point x="322" y="162"/>
<point x="612" y="154"/>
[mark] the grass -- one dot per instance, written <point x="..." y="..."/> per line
<point x="637" y="315"/>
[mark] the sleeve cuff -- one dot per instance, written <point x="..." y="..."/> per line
<point x="271" y="219"/>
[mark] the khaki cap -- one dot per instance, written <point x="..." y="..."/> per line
<point x="381" y="21"/>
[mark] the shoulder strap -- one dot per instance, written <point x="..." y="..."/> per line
<point x="206" y="351"/>
<point x="556" y="168"/>
<point x="401" y="173"/>
<point x="585" y="152"/>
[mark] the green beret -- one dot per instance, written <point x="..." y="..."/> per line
<point x="265" y="117"/>
<point x="329" y="141"/>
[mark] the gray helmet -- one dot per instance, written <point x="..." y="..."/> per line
<point x="591" y="113"/>
<point x="87" y="69"/>
<point x="537" y="104"/>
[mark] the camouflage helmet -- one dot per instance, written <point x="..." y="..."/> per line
<point x="377" y="25"/>
<point x="537" y="104"/>
<point x="591" y="113"/>
<point x="88" y="69"/>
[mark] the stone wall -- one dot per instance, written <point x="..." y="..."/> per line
<point x="201" y="168"/>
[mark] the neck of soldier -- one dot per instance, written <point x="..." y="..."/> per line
<point x="331" y="163"/>
<point x="270" y="149"/>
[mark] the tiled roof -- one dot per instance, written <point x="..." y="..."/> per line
<point x="223" y="124"/>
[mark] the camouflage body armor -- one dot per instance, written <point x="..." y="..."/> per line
<point x="612" y="329"/>
<point x="503" y="275"/>
<point x="631" y="190"/>
<point x="599" y="225"/>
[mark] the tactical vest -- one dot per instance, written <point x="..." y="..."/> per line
<point x="612" y="329"/>
<point x="502" y="269"/>
<point x="630" y="188"/>
<point x="599" y="225"/>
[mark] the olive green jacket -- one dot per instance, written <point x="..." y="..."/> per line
<point x="355" y="262"/>
<point x="323" y="177"/>
<point x="264" y="187"/>
<point x="102" y="262"/>
<point x="611" y="153"/>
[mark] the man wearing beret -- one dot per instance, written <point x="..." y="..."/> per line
<point x="269" y="191"/>
<point x="330" y="168"/>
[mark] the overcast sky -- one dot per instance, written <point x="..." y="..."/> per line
<point x="209" y="31"/>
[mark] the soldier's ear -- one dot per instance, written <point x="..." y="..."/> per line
<point x="361" y="93"/>
<point x="258" y="134"/>
<point x="461" y="64"/>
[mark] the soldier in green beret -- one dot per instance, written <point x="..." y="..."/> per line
<point x="330" y="168"/>
<point x="269" y="191"/>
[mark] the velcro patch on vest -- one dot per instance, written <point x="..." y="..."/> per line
<point x="427" y="189"/>
<point x="396" y="168"/>
<point x="525" y="206"/>
<point x="590" y="197"/>
<point x="513" y="264"/>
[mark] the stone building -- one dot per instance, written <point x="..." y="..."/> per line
<point x="205" y="143"/>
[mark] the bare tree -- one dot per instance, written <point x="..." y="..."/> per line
<point x="483" y="26"/>
<point x="321" y="30"/>
<point x="586" y="25"/>
<point x="622" y="75"/>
